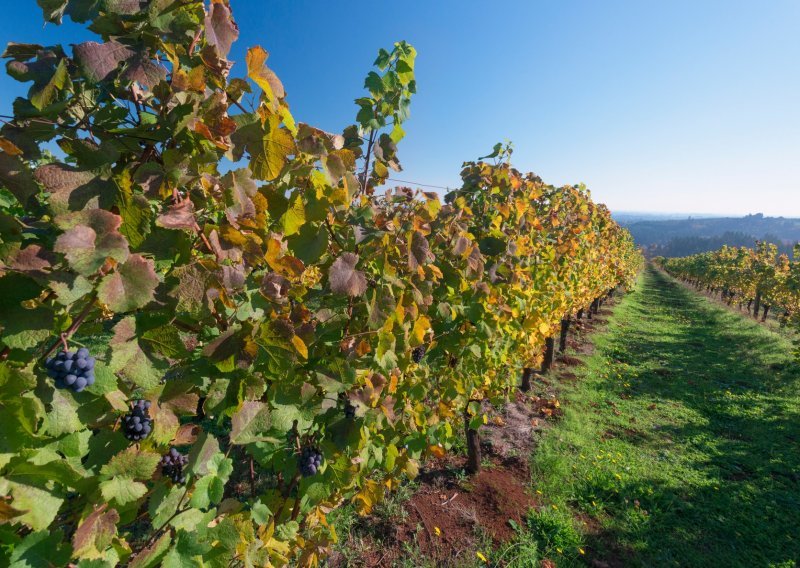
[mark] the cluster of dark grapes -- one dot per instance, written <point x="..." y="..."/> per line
<point x="349" y="410"/>
<point x="71" y="370"/>
<point x="137" y="424"/>
<point x="310" y="461"/>
<point x="172" y="466"/>
<point x="418" y="353"/>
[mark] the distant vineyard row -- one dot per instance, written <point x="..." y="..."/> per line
<point x="758" y="279"/>
<point x="199" y="360"/>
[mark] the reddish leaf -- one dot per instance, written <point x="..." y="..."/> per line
<point x="90" y="237"/>
<point x="178" y="216"/>
<point x="131" y="286"/>
<point x="95" y="533"/>
<point x="344" y="278"/>
<point x="221" y="30"/>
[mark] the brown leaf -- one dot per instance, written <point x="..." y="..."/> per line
<point x="33" y="260"/>
<point x="178" y="216"/>
<point x="419" y="251"/>
<point x="343" y="278"/>
<point x="239" y="189"/>
<point x="73" y="189"/>
<point x="99" y="61"/>
<point x="275" y="287"/>
<point x="221" y="30"/>
<point x="187" y="434"/>
<point x="16" y="177"/>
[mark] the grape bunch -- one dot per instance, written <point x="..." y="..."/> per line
<point x="71" y="370"/>
<point x="137" y="423"/>
<point x="172" y="466"/>
<point x="310" y="461"/>
<point x="349" y="410"/>
<point x="418" y="353"/>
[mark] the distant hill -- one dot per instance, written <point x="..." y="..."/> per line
<point x="681" y="237"/>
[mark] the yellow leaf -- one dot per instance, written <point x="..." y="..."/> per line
<point x="369" y="495"/>
<point x="481" y="557"/>
<point x="421" y="327"/>
<point x="300" y="346"/>
<point x="437" y="450"/>
<point x="544" y="328"/>
<point x="437" y="531"/>
<point x="262" y="75"/>
<point x="9" y="147"/>
<point x="268" y="158"/>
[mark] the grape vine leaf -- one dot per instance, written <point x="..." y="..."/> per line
<point x="122" y="489"/>
<point x="343" y="278"/>
<point x="129" y="287"/>
<point x="90" y="237"/>
<point x="95" y="533"/>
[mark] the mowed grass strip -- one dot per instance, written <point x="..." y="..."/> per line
<point x="680" y="445"/>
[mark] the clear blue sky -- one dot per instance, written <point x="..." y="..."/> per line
<point x="673" y="106"/>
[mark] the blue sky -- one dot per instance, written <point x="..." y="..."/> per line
<point x="679" y="106"/>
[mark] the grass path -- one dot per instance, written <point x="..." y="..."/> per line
<point x="680" y="445"/>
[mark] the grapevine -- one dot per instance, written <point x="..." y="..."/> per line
<point x="252" y="311"/>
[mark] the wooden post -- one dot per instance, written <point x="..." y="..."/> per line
<point x="549" y="352"/>
<point x="473" y="445"/>
<point x="562" y="344"/>
<point x="527" y="373"/>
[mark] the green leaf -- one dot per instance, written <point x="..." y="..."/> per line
<point x="150" y="556"/>
<point x="40" y="507"/>
<point x="163" y="503"/>
<point x="166" y="341"/>
<point x="133" y="463"/>
<point x="63" y="416"/>
<point x="53" y="10"/>
<point x="44" y="95"/>
<point x="250" y="423"/>
<point x="41" y="548"/>
<point x="122" y="490"/>
<point x="310" y="242"/>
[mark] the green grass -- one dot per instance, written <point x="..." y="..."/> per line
<point x="680" y="445"/>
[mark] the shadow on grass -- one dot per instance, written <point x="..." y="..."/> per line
<point x="740" y="391"/>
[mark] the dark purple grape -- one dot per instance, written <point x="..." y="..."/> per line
<point x="70" y="369"/>
<point x="418" y="353"/>
<point x="310" y="461"/>
<point x="137" y="425"/>
<point x="172" y="464"/>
